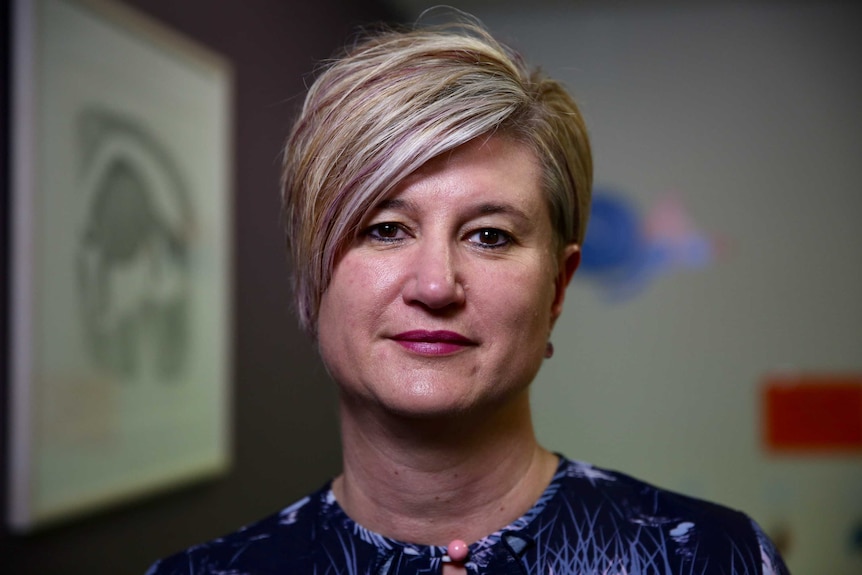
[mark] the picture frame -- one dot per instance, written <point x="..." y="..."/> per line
<point x="120" y="260"/>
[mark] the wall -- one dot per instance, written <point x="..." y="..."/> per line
<point x="748" y="114"/>
<point x="286" y="437"/>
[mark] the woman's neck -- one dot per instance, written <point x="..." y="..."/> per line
<point x="431" y="481"/>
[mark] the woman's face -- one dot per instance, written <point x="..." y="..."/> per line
<point x="445" y="301"/>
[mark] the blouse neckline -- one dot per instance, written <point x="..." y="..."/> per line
<point x="480" y="550"/>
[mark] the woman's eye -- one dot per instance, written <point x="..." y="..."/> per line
<point x="385" y="231"/>
<point x="490" y="238"/>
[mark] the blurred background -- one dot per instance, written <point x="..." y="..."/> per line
<point x="722" y="271"/>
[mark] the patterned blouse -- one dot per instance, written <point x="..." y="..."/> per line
<point x="589" y="521"/>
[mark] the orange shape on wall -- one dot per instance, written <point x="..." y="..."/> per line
<point x="813" y="412"/>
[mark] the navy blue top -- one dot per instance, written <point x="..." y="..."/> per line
<point x="589" y="521"/>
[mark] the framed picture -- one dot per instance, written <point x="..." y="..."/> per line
<point x="120" y="260"/>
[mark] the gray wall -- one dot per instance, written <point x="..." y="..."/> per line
<point x="284" y="411"/>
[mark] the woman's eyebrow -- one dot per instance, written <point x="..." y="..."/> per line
<point x="500" y="208"/>
<point x="480" y="209"/>
<point x="398" y="204"/>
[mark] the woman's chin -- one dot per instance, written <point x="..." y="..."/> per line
<point x="439" y="403"/>
<point x="427" y="404"/>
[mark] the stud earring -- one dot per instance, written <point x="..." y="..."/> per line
<point x="549" y="350"/>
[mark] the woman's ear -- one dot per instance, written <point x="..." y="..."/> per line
<point x="570" y="258"/>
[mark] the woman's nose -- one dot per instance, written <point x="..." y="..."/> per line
<point x="433" y="279"/>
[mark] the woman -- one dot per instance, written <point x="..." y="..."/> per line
<point x="436" y="194"/>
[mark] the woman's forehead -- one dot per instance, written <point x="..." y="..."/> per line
<point x="490" y="161"/>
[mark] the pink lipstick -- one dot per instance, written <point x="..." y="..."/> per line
<point x="439" y="342"/>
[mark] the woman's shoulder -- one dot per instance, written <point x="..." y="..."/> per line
<point x="279" y="537"/>
<point x="640" y="501"/>
<point x="688" y="524"/>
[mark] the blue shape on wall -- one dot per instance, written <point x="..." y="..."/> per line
<point x="613" y="237"/>
<point x="624" y="251"/>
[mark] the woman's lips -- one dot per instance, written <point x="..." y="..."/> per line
<point x="433" y="342"/>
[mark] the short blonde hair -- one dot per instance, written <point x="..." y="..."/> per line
<point x="397" y="99"/>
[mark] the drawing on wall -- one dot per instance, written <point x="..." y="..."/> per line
<point x="625" y="251"/>
<point x="133" y="250"/>
<point x="120" y="283"/>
